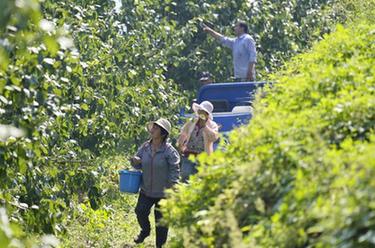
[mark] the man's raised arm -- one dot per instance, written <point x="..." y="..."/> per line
<point x="212" y="32"/>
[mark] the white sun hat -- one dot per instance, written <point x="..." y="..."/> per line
<point x="163" y="123"/>
<point x="206" y="106"/>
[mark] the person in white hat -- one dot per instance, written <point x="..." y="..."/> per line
<point x="198" y="135"/>
<point x="159" y="162"/>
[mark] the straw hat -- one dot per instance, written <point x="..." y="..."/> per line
<point x="206" y="106"/>
<point x="163" y="123"/>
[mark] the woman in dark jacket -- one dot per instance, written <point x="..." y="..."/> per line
<point x="159" y="162"/>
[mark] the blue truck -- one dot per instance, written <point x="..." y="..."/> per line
<point x="232" y="102"/>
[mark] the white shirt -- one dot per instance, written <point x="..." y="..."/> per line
<point x="244" y="52"/>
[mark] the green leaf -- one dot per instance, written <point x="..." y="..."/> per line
<point x="84" y="106"/>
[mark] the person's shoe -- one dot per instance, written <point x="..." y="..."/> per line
<point x="141" y="237"/>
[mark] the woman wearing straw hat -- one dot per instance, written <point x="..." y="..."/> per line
<point x="159" y="162"/>
<point x="198" y="135"/>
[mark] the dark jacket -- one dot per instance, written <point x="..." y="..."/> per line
<point x="160" y="171"/>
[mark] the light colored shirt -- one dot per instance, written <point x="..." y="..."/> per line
<point x="244" y="52"/>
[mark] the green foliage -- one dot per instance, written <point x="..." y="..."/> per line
<point x="167" y="34"/>
<point x="301" y="174"/>
<point x="114" y="224"/>
<point x="281" y="29"/>
<point x="75" y="85"/>
<point x="7" y="232"/>
<point x="12" y="236"/>
<point x="79" y="81"/>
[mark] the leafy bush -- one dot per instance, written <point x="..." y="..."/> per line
<point x="78" y="90"/>
<point x="301" y="174"/>
<point x="112" y="225"/>
<point x="79" y="80"/>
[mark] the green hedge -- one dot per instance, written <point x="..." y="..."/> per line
<point x="78" y="88"/>
<point x="81" y="80"/>
<point x="302" y="173"/>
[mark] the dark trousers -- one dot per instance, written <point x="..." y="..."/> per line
<point x="143" y="209"/>
<point x="188" y="168"/>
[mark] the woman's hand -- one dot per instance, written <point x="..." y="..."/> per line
<point x="135" y="160"/>
<point x="181" y="144"/>
<point x="182" y="148"/>
<point x="211" y="133"/>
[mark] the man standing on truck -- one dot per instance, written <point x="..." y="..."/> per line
<point x="243" y="50"/>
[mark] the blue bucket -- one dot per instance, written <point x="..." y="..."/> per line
<point x="130" y="181"/>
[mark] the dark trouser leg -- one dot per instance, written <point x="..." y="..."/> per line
<point x="142" y="211"/>
<point x="161" y="231"/>
<point x="188" y="168"/>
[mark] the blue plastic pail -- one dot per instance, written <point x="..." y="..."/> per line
<point x="130" y="181"/>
